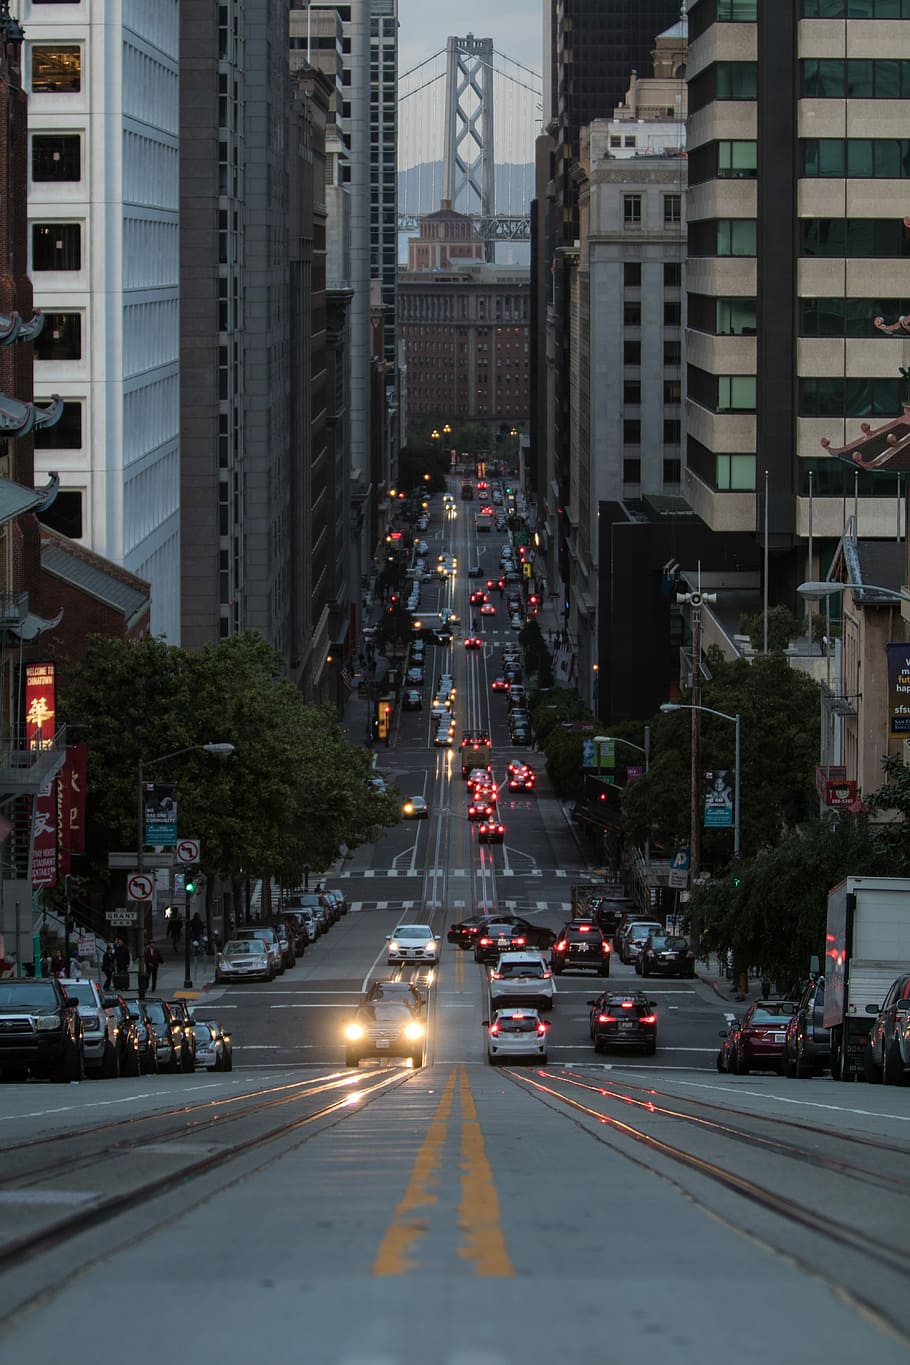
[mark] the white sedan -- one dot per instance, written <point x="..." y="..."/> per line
<point x="413" y="943"/>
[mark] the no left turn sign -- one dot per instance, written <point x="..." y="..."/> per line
<point x="188" y="850"/>
<point x="139" y="887"/>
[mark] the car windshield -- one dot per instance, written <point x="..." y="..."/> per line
<point x="82" y="991"/>
<point x="155" y="1010"/>
<point x="384" y="1011"/>
<point x="413" y="931"/>
<point x="203" y="1032"/>
<point x="534" y="969"/>
<point x="37" y="995"/>
<point x="240" y="947"/>
<point x="500" y="930"/>
<point x="774" y="1012"/>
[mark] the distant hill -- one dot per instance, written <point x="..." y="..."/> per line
<point x="420" y="188"/>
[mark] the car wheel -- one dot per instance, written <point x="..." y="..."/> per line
<point x="802" y="1068"/>
<point x="732" y="1062"/>
<point x="871" y="1071"/>
<point x="893" y="1072"/>
<point x="110" y="1062"/>
<point x="605" y="969"/>
<point x="788" y="1066"/>
<point x="351" y="1058"/>
<point x="690" y="973"/>
<point x="598" y="1045"/>
<point x="720" y="1063"/>
<point x="416" y="1059"/>
<point x="229" y="1062"/>
<point x="543" y="1060"/>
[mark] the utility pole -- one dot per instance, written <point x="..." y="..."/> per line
<point x="695" y="601"/>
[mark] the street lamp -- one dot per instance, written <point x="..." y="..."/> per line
<point x="695" y="842"/>
<point x="813" y="591"/>
<point x="220" y="751"/>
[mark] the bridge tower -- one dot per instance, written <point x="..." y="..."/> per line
<point x="469" y="167"/>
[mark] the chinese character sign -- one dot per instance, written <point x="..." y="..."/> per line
<point x="44" y="837"/>
<point x="71" y="801"/>
<point x="161" y="814"/>
<point x="718" y="799"/>
<point x="40" y="706"/>
<point x="899" y="688"/>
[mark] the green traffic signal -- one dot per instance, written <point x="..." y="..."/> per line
<point x="189" y="884"/>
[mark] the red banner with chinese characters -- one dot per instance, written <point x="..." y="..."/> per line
<point x="40" y="706"/>
<point x="44" y="837"/>
<point x="71" y="804"/>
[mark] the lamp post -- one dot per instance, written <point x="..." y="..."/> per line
<point x="737" y="848"/>
<point x="221" y="751"/>
<point x="642" y="749"/>
<point x="814" y="591"/>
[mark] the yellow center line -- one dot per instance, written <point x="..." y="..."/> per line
<point x="459" y="970"/>
<point x="406" y="1228"/>
<point x="478" y="1212"/>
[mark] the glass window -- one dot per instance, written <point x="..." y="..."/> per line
<point x="672" y="313"/>
<point x="631" y="391"/>
<point x="57" y="157"/>
<point x="860" y="157"/>
<point x="672" y="471"/>
<point x="672" y="352"/>
<point x="631" y="313"/>
<point x="631" y="431"/>
<point x="56" y="68"/>
<point x="672" y="391"/>
<point x="631" y="353"/>
<point x="672" y="274"/>
<point x="56" y="246"/>
<point x="631" y="210"/>
<point x="821" y="317"/>
<point x="737" y="80"/>
<point x="735" y="317"/>
<point x="65" y="514"/>
<point x="735" y="393"/>
<point x="736" y="160"/>
<point x="736" y="237"/>
<point x="821" y="397"/>
<point x="672" y="208"/>
<point x="631" y="274"/>
<point x="823" y="156"/>
<point x="823" y="77"/>
<point x="672" y="431"/>
<point x="860" y="79"/>
<point x="737" y="11"/>
<point x="60" y="338"/>
<point x="734" y="473"/>
<point x="66" y="435"/>
<point x="631" y="471"/>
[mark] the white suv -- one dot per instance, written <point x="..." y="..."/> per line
<point x="522" y="978"/>
<point x="99" y="1028"/>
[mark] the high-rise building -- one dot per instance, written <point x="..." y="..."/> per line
<point x="103" y="211"/>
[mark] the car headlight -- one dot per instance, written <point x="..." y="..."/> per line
<point x="260" y="962"/>
<point x="46" y="1023"/>
<point x="413" y="1031"/>
<point x="394" y="947"/>
<point x="90" y="1021"/>
<point x="353" y="1032"/>
<point x="430" y="948"/>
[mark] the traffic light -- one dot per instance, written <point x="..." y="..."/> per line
<point x="189" y="880"/>
<point x="384" y="715"/>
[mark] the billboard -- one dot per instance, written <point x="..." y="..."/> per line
<point x="718" y="799"/>
<point x="160" y="814"/>
<point x="40" y="706"/>
<point x="899" y="689"/>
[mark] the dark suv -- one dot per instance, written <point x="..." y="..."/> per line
<point x="180" y="1010"/>
<point x="581" y="944"/>
<point x="168" y="1032"/>
<point x="40" y="1032"/>
<point x="623" y="1019"/>
<point x="807" y="1046"/>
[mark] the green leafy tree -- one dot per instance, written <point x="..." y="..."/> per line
<point x="782" y="628"/>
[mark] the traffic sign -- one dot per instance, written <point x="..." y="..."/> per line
<point x="122" y="917"/>
<point x="139" y="887"/>
<point x="187" y="850"/>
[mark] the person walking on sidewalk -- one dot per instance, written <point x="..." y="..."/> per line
<point x="153" y="961"/>
<point x="107" y="966"/>
<point x="175" y="929"/>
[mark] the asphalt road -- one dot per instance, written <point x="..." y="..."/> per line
<point x="599" y="1207"/>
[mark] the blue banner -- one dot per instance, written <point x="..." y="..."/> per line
<point x="718" y="799"/>
<point x="160" y="814"/>
<point x="899" y="688"/>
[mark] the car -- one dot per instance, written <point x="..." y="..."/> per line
<point x="623" y="1019"/>
<point x="307" y="921"/>
<point x="887" y="1054"/>
<point x="496" y="937"/>
<point x="475" y="571"/>
<point x="399" y="992"/>
<point x="491" y="832"/>
<point x="444" y="738"/>
<point x="128" y="1043"/>
<point x="295" y="929"/>
<point x="212" y="1051"/>
<point x="512" y="674"/>
<point x="518" y="697"/>
<point x="414" y="676"/>
<point x="522" y="977"/>
<point x="267" y="936"/>
<point x="147" y="1036"/>
<point x="415" y="808"/>
<point x="516" y="1034"/>
<point x="487" y="609"/>
<point x="465" y="932"/>
<point x="665" y="955"/>
<point x="480" y="810"/>
<point x="725" y="1052"/>
<point x="383" y="1028"/>
<point x="181" y="1012"/>
<point x="40" y="1031"/>
<point x="411" y="700"/>
<point x="607" y="912"/>
<point x="521" y="778"/>
<point x="807" y="1046"/>
<point x="634" y="934"/>
<point x="287" y="941"/>
<point x="412" y="943"/>
<point x="99" y="1028"/>
<point x="581" y="945"/>
<point x="520" y="734"/>
<point x="443" y="636"/>
<point x="244" y="960"/>
<point x="478" y="597"/>
<point x="417" y="652"/>
<point x="473" y="642"/>
<point x="478" y="777"/>
<point x="168" y="1032"/>
<point x="500" y="683"/>
<point x="757" y="1039"/>
<point x="446" y="684"/>
<point x="485" y="794"/>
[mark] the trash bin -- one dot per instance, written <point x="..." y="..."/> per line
<point x="121" y="981"/>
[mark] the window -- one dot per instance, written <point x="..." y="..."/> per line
<point x="672" y="313"/>
<point x="66" y="435"/>
<point x="859" y="158"/>
<point x="56" y="68"/>
<point x="856" y="9"/>
<point x="65" y="514"/>
<point x="56" y="158"/>
<point x="863" y="237"/>
<point x="631" y="431"/>
<point x="735" y="317"/>
<point x="631" y="210"/>
<point x="737" y="11"/>
<point x="631" y="471"/>
<point x="631" y="391"/>
<point x="56" y="246"/>
<point x="735" y="393"/>
<point x="630" y="140"/>
<point x="615" y="140"/>
<point x="736" y="80"/>
<point x="672" y="274"/>
<point x="631" y="353"/>
<point x="736" y="160"/>
<point x="734" y="473"/>
<point x="736" y="237"/>
<point x="672" y="431"/>
<point x="863" y="397"/>
<point x="672" y="208"/>
<point x="631" y="313"/>
<point x="846" y="317"/>
<point x="672" y="391"/>
<point x="672" y="471"/>
<point x="60" y="338"/>
<point x="672" y="352"/>
<point x="631" y="274"/>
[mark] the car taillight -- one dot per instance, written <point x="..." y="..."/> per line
<point x="584" y="928"/>
<point x="541" y="1028"/>
<point x="605" y="947"/>
<point x="496" y="976"/>
<point x="520" y="941"/>
<point x="560" y="947"/>
<point x="606" y="1019"/>
<point x="650" y="1019"/>
<point x="546" y="976"/>
<point x="494" y="1029"/>
<point x="627" y="1004"/>
<point x="690" y="953"/>
<point x="485" y="942"/>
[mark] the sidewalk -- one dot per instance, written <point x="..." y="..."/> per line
<point x="714" y="975"/>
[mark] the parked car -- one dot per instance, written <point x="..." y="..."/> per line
<point x="337" y="895"/>
<point x="623" y="1019"/>
<point x="308" y="919"/>
<point x="522" y="978"/>
<point x="168" y="1033"/>
<point x="99" y="1028"/>
<point x="267" y="936"/>
<point x="286" y="943"/>
<point x="516" y="1034"/>
<point x="298" y="931"/>
<point x="665" y="955"/>
<point x="581" y="945"/>
<point x="807" y="1046"/>
<point x="244" y="959"/>
<point x="146" y="1034"/>
<point x="211" y="1050"/>
<point x="40" y="1031"/>
<point x="757" y="1040"/>
<point x="128" y="1044"/>
<point x="632" y="937"/>
<point x="887" y="1056"/>
<point x="181" y="1012"/>
<point x="226" y="1040"/>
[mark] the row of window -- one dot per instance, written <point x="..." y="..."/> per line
<point x="855" y="78"/>
<point x="631" y="353"/>
<point x="857" y="157"/>
<point x="856" y="9"/>
<point x="631" y="471"/>
<point x="632" y="204"/>
<point x="631" y="274"/>
<point x="631" y="391"/>
<point x="857" y="237"/>
<point x="818" y="317"/>
<point x="631" y="313"/>
<point x="817" y="396"/>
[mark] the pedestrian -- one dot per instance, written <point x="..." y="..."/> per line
<point x="107" y="966"/>
<point x="196" y="928"/>
<point x="176" y="929"/>
<point x="74" y="967"/>
<point x="58" y="966"/>
<point x="153" y="961"/>
<point x="122" y="958"/>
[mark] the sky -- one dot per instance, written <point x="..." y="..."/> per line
<point x="516" y="27"/>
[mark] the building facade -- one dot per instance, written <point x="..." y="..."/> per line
<point x="104" y="251"/>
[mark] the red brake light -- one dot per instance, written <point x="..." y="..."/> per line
<point x="605" y="1019"/>
<point x="546" y="976"/>
<point x="494" y="1028"/>
<point x="605" y="947"/>
<point x="627" y="1004"/>
<point x="541" y="1028"/>
<point x="584" y="928"/>
<point x="560" y="947"/>
<point x="496" y="976"/>
<point x="650" y="1019"/>
<point x="519" y="940"/>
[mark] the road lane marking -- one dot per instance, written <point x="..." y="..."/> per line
<point x="406" y="1228"/>
<point x="478" y="1211"/>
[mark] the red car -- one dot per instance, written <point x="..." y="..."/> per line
<point x="491" y="832"/>
<point x="473" y="642"/>
<point x="480" y="810"/>
<point x="756" y="1041"/>
<point x="499" y="684"/>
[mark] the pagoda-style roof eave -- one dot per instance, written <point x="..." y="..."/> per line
<point x="19" y="419"/>
<point x="13" y="328"/>
<point x="885" y="449"/>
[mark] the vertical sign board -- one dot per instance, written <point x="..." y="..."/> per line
<point x="899" y="689"/>
<point x="718" y="799"/>
<point x="44" y="836"/>
<point x="71" y="803"/>
<point x="40" y="706"/>
<point x="161" y="814"/>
